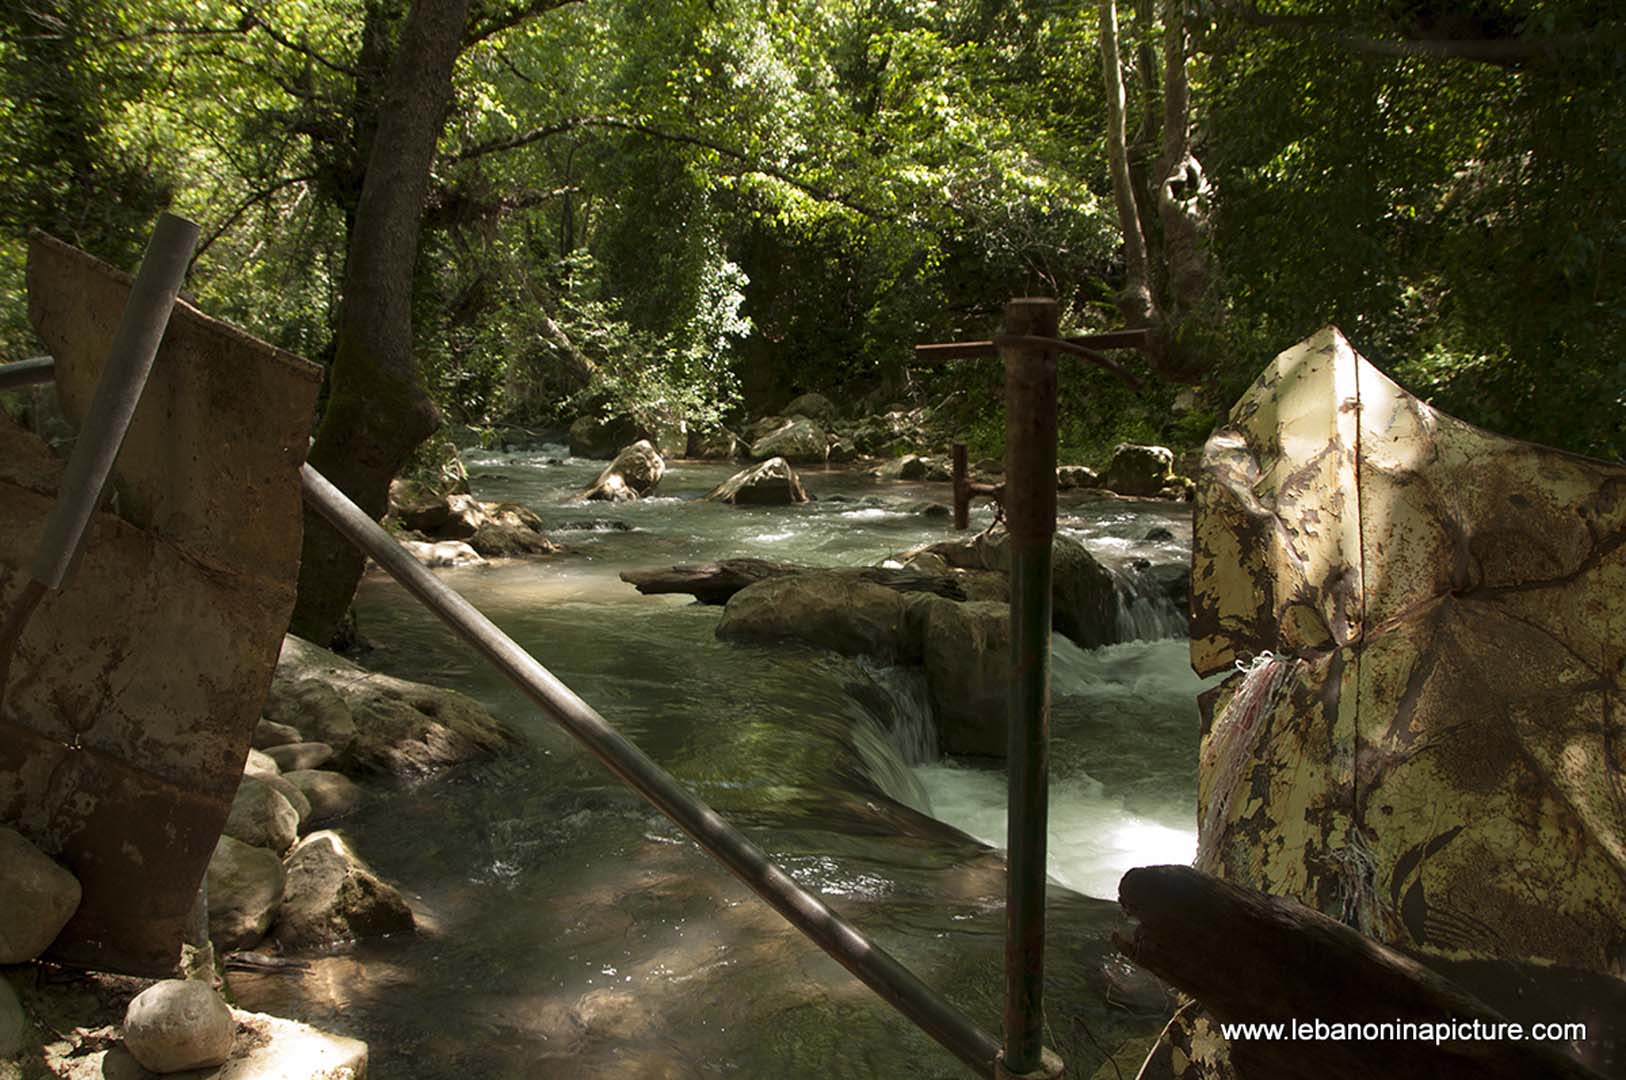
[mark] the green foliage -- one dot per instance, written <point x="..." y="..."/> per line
<point x="1455" y="219"/>
<point x="710" y="205"/>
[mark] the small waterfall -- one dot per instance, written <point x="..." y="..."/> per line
<point x="894" y="730"/>
<point x="1145" y="610"/>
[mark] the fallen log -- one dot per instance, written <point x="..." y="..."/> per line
<point x="714" y="583"/>
<point x="1250" y="958"/>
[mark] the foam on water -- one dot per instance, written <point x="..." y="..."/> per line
<point x="1093" y="840"/>
<point x="1124" y="721"/>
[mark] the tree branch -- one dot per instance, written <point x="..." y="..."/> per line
<point x="1136" y="301"/>
<point x="449" y="208"/>
<point x="509" y="18"/>
<point x="525" y="138"/>
<point x="172" y="31"/>
<point x="253" y="200"/>
<point x="251" y="20"/>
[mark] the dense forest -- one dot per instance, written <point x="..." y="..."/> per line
<point x="684" y="211"/>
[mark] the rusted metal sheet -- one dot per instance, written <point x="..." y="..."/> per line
<point x="134" y="691"/>
<point x="1426" y="741"/>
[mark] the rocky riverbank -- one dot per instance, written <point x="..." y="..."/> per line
<point x="283" y="880"/>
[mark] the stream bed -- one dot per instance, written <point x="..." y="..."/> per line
<point x="567" y="929"/>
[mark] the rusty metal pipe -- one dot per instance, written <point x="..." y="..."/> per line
<point x="38" y="369"/>
<point x="850" y="947"/>
<point x="1030" y="516"/>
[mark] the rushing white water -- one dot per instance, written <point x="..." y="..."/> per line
<point x="1105" y="702"/>
<point x="1123" y="761"/>
<point x="1148" y="617"/>
<point x="1092" y="839"/>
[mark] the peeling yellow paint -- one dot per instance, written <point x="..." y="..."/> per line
<point x="1443" y="766"/>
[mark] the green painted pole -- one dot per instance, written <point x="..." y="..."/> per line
<point x="1030" y="515"/>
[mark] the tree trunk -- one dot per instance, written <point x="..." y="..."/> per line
<point x="377" y="409"/>
<point x="1182" y="189"/>
<point x="1135" y="302"/>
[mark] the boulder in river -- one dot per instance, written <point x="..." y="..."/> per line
<point x="421" y="495"/>
<point x="245" y="891"/>
<point x="1072" y="477"/>
<point x="829" y="610"/>
<point x="37" y="896"/>
<point x="269" y="733"/>
<point x="295" y="797"/>
<point x="308" y="705"/>
<point x="443" y="553"/>
<point x="1139" y="470"/>
<point x="797" y="439"/>
<point x="331" y="795"/>
<point x="261" y="817"/>
<point x="496" y="529"/>
<point x="179" y="1024"/>
<point x="600" y="437"/>
<point x="771" y="483"/>
<point x="332" y="895"/>
<point x="1084" y="595"/>
<point x="885" y="433"/>
<point x="813" y="406"/>
<point x="914" y="467"/>
<point x="401" y="727"/>
<point x="300" y="755"/>
<point x="966" y="650"/>
<point x="715" y="444"/>
<point x="258" y="764"/>
<point x="14" y="1023"/>
<point x="635" y="472"/>
<point x="506" y="530"/>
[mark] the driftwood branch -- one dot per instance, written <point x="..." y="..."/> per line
<point x="1251" y="958"/>
<point x="714" y="583"/>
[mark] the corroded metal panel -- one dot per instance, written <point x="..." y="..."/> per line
<point x="135" y="690"/>
<point x="1432" y="748"/>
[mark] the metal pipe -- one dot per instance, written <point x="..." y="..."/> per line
<point x="37" y="369"/>
<point x="1030" y="516"/>
<point x="849" y="946"/>
<point x="962" y="489"/>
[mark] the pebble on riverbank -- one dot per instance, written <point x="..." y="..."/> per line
<point x="79" y="1033"/>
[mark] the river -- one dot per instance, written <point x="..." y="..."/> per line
<point x="569" y="930"/>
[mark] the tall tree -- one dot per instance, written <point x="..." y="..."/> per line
<point x="1164" y="286"/>
<point x="377" y="409"/>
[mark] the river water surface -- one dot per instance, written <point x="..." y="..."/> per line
<point x="569" y="930"/>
